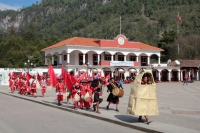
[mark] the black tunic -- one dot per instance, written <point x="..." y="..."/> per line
<point x="96" y="93"/>
<point x="111" y="98"/>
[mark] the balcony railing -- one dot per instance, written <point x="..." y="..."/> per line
<point x="119" y="63"/>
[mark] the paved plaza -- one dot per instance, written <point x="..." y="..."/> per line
<point x="179" y="108"/>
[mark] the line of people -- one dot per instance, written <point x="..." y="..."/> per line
<point x="28" y="86"/>
<point x="84" y="94"/>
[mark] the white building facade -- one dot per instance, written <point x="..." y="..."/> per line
<point x="119" y="57"/>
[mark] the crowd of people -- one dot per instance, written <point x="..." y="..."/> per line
<point x="85" y="93"/>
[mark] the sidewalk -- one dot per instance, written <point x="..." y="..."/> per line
<point x="120" y="118"/>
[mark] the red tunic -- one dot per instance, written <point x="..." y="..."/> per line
<point x="59" y="89"/>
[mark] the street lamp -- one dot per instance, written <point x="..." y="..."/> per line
<point x="89" y="67"/>
<point x="29" y="64"/>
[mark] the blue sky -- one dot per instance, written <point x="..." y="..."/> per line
<point x="15" y="4"/>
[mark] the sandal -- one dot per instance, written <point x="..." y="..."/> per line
<point x="98" y="112"/>
<point x="94" y="108"/>
<point x="140" y="120"/>
<point x="149" y="121"/>
<point x="117" y="110"/>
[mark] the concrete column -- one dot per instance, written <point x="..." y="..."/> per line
<point x="46" y="61"/>
<point x="68" y="58"/>
<point x="112" y="74"/>
<point x="60" y="59"/>
<point x="98" y="58"/>
<point x="111" y="57"/>
<point x="197" y="75"/>
<point x="181" y="76"/>
<point x="83" y="59"/>
<point x="52" y="60"/>
<point x="148" y="60"/>
<point x="169" y="76"/>
<point x="137" y="59"/>
<point x="189" y="75"/>
<point x="158" y="60"/>
<point x="124" y="57"/>
<point x="179" y="79"/>
<point x="159" y="76"/>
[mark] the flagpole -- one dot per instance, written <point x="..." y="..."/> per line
<point x="120" y="25"/>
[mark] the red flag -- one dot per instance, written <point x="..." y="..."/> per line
<point x="38" y="77"/>
<point x="28" y="76"/>
<point x="107" y="78"/>
<point x="82" y="76"/>
<point x="52" y="74"/>
<point x="68" y="81"/>
<point x="73" y="80"/>
<point x="63" y="72"/>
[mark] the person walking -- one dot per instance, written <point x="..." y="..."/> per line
<point x="120" y="83"/>
<point x="185" y="80"/>
<point x="111" y="98"/>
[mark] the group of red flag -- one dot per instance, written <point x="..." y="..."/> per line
<point x="69" y="80"/>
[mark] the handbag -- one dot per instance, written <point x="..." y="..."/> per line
<point x="86" y="97"/>
<point x="76" y="98"/>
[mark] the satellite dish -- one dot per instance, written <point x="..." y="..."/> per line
<point x="177" y="62"/>
<point x="169" y="62"/>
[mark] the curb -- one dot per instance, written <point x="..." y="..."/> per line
<point x="89" y="115"/>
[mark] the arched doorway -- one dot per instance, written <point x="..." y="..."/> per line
<point x="164" y="75"/>
<point x="132" y="72"/>
<point x="155" y="74"/>
<point x="107" y="71"/>
<point x="175" y="75"/>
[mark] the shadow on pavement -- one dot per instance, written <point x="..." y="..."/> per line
<point x="126" y="118"/>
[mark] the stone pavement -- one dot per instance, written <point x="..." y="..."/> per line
<point x="179" y="108"/>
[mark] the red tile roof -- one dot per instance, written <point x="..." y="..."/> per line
<point x="74" y="41"/>
<point x="94" y="42"/>
<point x="143" y="46"/>
<point x="189" y="63"/>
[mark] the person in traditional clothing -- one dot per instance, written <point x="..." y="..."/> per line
<point x="142" y="100"/>
<point x="43" y="84"/>
<point x="111" y="98"/>
<point x="69" y="92"/>
<point x="23" y="86"/>
<point x="33" y="85"/>
<point x="144" y="82"/>
<point x="85" y="86"/>
<point x="77" y="91"/>
<point x="12" y="84"/>
<point x="59" y="90"/>
<point x="96" y="88"/>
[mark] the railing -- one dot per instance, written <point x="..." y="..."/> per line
<point x="119" y="63"/>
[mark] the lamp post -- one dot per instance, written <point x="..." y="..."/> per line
<point x="29" y="64"/>
<point x="89" y="68"/>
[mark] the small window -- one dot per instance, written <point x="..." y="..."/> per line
<point x="108" y="57"/>
<point x="120" y="58"/>
<point x="132" y="58"/>
<point x="65" y="57"/>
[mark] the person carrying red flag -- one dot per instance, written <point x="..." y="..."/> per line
<point x="77" y="91"/>
<point x="59" y="90"/>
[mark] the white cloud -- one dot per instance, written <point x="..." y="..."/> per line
<point x="8" y="7"/>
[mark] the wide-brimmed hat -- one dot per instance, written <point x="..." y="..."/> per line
<point x="84" y="81"/>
